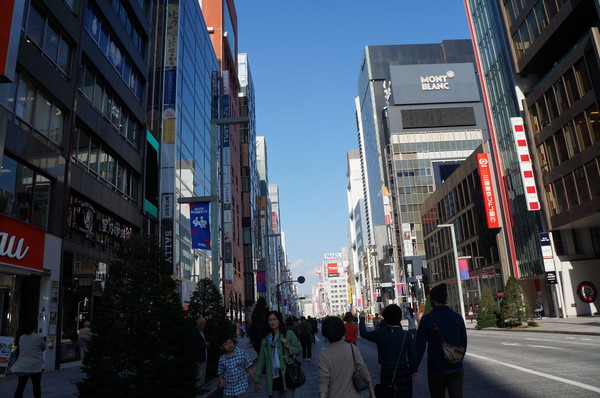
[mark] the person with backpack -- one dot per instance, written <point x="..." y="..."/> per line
<point x="305" y="332"/>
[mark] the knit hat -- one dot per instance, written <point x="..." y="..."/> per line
<point x="439" y="293"/>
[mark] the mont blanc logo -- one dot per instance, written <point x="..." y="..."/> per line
<point x="436" y="82"/>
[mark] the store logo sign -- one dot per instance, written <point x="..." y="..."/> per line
<point x="439" y="82"/>
<point x="21" y="244"/>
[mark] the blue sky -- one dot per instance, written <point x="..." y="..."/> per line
<point x="304" y="58"/>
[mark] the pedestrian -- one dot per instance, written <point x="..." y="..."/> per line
<point x="471" y="314"/>
<point x="30" y="359"/>
<point x="238" y="329"/>
<point x="278" y="347"/>
<point x="234" y="368"/>
<point x="396" y="352"/>
<point x="243" y="327"/>
<point x="315" y="329"/>
<point x="85" y="335"/>
<point x="351" y="334"/>
<point x="337" y="363"/>
<point x="539" y="310"/>
<point x="306" y="338"/>
<point x="199" y="340"/>
<point x="412" y="322"/>
<point x="376" y="321"/>
<point x="442" y="376"/>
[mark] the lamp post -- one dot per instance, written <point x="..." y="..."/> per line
<point x="457" y="268"/>
<point x="300" y="280"/>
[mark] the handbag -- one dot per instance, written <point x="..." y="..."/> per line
<point x="389" y="390"/>
<point x="453" y="354"/>
<point x="294" y="375"/>
<point x="359" y="381"/>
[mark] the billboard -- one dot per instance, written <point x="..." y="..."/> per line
<point x="332" y="269"/>
<point x="433" y="83"/>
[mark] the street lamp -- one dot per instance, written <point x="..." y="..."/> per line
<point x="458" y="280"/>
<point x="300" y="280"/>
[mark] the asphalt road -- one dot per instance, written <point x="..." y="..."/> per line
<point x="501" y="364"/>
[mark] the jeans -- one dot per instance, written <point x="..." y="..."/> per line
<point x="440" y="382"/>
<point x="36" y="379"/>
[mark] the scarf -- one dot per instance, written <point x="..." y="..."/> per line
<point x="274" y="354"/>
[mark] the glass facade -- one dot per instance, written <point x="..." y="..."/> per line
<point x="495" y="63"/>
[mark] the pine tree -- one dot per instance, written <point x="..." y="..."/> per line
<point x="207" y="302"/>
<point x="141" y="346"/>
<point x="513" y="309"/>
<point x="258" y="322"/>
<point x="488" y="311"/>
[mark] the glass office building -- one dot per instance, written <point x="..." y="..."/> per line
<point x="184" y="87"/>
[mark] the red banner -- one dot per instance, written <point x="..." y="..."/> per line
<point x="21" y="244"/>
<point x="487" y="189"/>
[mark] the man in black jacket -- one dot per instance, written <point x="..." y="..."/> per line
<point x="441" y="375"/>
<point x="201" y="346"/>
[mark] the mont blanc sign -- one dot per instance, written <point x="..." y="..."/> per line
<point x="21" y="244"/>
<point x="433" y="84"/>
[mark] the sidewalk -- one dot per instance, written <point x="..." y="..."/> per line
<point x="582" y="325"/>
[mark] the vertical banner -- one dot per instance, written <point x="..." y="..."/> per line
<point x="261" y="286"/>
<point x="200" y="225"/>
<point x="463" y="266"/>
<point x="489" y="199"/>
<point x="531" y="196"/>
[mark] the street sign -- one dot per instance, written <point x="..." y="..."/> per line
<point x="551" y="278"/>
<point x="301" y="279"/>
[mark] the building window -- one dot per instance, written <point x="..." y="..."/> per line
<point x="24" y="193"/>
<point x="54" y="45"/>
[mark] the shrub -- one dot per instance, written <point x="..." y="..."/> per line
<point x="487" y="313"/>
<point x="513" y="309"/>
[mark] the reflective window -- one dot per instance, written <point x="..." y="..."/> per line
<point x="24" y="194"/>
<point x="582" y="184"/>
<point x="583" y="131"/>
<point x="593" y="175"/>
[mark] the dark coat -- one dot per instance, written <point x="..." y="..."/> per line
<point x="453" y="330"/>
<point x="198" y="342"/>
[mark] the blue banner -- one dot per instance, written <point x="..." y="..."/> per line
<point x="200" y="225"/>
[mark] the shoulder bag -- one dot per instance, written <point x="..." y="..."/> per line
<point x="359" y="381"/>
<point x="294" y="375"/>
<point x="453" y="354"/>
<point x="389" y="390"/>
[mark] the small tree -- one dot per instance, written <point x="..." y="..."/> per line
<point x="140" y="346"/>
<point x="513" y="309"/>
<point x="207" y="302"/>
<point x="488" y="311"/>
<point x="258" y="322"/>
<point x="428" y="306"/>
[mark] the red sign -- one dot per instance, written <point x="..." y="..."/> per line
<point x="21" y="244"/>
<point x="332" y="269"/>
<point x="487" y="189"/>
<point x="10" y="31"/>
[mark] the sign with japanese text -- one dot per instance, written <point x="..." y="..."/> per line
<point x="487" y="189"/>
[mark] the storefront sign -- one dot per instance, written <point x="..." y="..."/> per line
<point x="487" y="189"/>
<point x="531" y="196"/>
<point x="21" y="244"/>
<point x="551" y="278"/>
<point x="587" y="292"/>
<point x="332" y="270"/>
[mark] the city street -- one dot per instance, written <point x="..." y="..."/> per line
<point x="501" y="364"/>
<point x="498" y="364"/>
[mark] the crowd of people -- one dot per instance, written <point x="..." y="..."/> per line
<point x="399" y="353"/>
<point x="278" y="344"/>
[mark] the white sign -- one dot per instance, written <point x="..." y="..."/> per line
<point x="439" y="82"/>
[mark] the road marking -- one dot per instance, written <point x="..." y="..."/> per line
<point x="568" y="342"/>
<point x="568" y="338"/>
<point x="506" y="343"/>
<point x="535" y="372"/>
<point x="545" y="346"/>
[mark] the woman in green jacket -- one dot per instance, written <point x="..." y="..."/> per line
<point x="278" y="347"/>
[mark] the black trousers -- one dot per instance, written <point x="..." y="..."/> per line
<point x="306" y="348"/>
<point x="36" y="379"/>
<point x="440" y="382"/>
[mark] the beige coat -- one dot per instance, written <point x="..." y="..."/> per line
<point x="335" y="370"/>
<point x="31" y="358"/>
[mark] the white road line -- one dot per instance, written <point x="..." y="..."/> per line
<point x="561" y="342"/>
<point x="545" y="346"/>
<point x="535" y="372"/>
